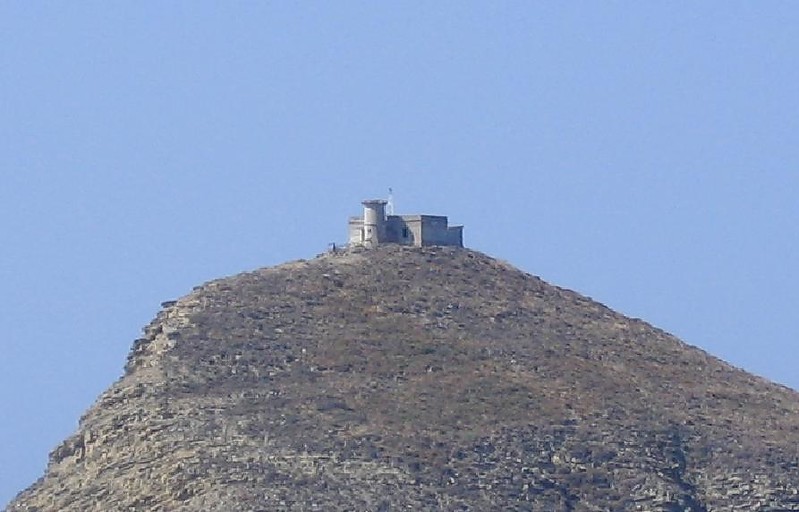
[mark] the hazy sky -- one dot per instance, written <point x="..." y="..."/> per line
<point x="645" y="154"/>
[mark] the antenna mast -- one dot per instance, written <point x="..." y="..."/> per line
<point x="390" y="205"/>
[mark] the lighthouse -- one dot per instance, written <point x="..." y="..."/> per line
<point x="377" y="228"/>
<point x="374" y="221"/>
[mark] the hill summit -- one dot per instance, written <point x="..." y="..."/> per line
<point x="419" y="378"/>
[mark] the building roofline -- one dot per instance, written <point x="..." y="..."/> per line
<point x="417" y="216"/>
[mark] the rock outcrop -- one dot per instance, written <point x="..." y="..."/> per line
<point x="420" y="379"/>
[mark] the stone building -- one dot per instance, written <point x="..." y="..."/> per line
<point x="375" y="227"/>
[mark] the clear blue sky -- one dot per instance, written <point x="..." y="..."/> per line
<point x="645" y="154"/>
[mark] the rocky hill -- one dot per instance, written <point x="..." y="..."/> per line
<point x="420" y="379"/>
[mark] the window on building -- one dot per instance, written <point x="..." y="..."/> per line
<point x="404" y="232"/>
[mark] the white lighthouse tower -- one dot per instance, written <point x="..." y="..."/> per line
<point x="374" y="221"/>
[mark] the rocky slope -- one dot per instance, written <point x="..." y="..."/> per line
<point x="420" y="379"/>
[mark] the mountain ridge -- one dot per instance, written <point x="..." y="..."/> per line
<point x="432" y="378"/>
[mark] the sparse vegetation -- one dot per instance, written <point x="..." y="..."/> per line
<point x="420" y="379"/>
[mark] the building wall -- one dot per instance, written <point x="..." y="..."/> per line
<point x="355" y="230"/>
<point x="435" y="230"/>
<point x="455" y="235"/>
<point x="404" y="229"/>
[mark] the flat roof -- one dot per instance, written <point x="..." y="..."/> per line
<point x="417" y="217"/>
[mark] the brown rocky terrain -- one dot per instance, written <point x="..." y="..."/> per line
<point x="420" y="379"/>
